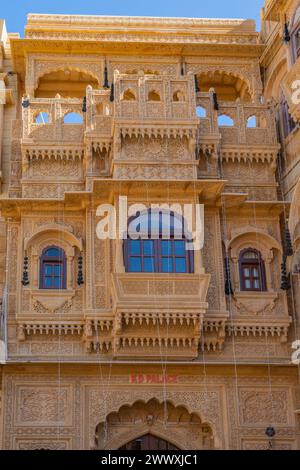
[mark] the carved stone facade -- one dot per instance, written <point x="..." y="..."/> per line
<point x="193" y="358"/>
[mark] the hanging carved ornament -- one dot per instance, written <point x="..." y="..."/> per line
<point x="80" y="280"/>
<point x="25" y="278"/>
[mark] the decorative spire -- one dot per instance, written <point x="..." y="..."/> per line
<point x="112" y="93"/>
<point x="105" y="84"/>
<point x="197" y="89"/>
<point x="228" y="284"/>
<point x="285" y="279"/>
<point x="215" y="99"/>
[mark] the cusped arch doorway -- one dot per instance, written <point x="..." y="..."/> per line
<point x="148" y="442"/>
<point x="153" y="425"/>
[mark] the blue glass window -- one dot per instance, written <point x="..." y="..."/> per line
<point x="53" y="269"/>
<point x="159" y="253"/>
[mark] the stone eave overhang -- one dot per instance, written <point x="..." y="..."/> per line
<point x="272" y="10"/>
<point x="104" y="190"/>
<point x="272" y="47"/>
<point x="238" y="203"/>
<point x="161" y="47"/>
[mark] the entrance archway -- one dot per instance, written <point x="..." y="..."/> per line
<point x="153" y="425"/>
<point x="148" y="442"/>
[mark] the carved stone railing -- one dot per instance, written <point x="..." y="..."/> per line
<point x="160" y="111"/>
<point x="155" y="314"/>
<point x="99" y="112"/>
<point x="208" y="135"/>
<point x="252" y="135"/>
<point x="55" y="130"/>
<point x="52" y="150"/>
<point x="99" y="131"/>
<point x="154" y="97"/>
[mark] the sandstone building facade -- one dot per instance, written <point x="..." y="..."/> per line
<point x="121" y="343"/>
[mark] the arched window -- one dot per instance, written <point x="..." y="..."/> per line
<point x="53" y="268"/>
<point x="153" y="96"/>
<point x="42" y="118"/>
<point x="128" y="95"/>
<point x="225" y="121"/>
<point x="200" y="112"/>
<point x="178" y="96"/>
<point x="160" y="244"/>
<point x="252" y="271"/>
<point x="73" y="118"/>
<point x="295" y="35"/>
<point x="252" y="122"/>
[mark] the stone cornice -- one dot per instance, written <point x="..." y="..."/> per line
<point x="98" y="21"/>
<point x="105" y="189"/>
<point x="126" y="45"/>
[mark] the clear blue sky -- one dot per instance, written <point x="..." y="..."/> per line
<point x="15" y="11"/>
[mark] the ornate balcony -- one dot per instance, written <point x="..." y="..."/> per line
<point x="155" y="314"/>
<point x="52" y="150"/>
<point x="252" y="135"/>
<point x="99" y="132"/>
<point x="157" y="112"/>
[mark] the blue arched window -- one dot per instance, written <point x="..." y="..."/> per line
<point x="161" y="244"/>
<point x="53" y="268"/>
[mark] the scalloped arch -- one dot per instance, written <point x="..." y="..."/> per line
<point x="61" y="68"/>
<point x="229" y="73"/>
<point x="54" y="231"/>
<point x="257" y="237"/>
<point x="155" y="429"/>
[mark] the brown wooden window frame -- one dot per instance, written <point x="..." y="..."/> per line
<point x="251" y="264"/>
<point x="158" y="254"/>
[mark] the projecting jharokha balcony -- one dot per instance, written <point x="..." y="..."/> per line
<point x="157" y="314"/>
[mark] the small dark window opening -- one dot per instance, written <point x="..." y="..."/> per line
<point x="252" y="271"/>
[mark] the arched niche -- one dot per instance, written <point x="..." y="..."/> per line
<point x="69" y="82"/>
<point x="174" y="424"/>
<point x="229" y="86"/>
<point x="51" y="235"/>
<point x="55" y="232"/>
<point x="258" y="240"/>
